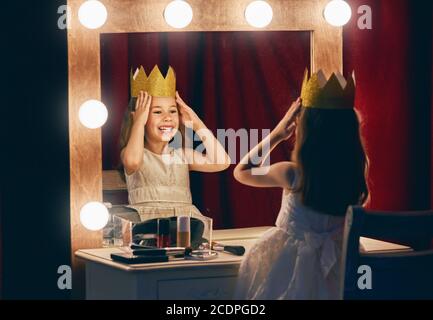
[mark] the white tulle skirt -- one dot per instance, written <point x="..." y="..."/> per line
<point x="298" y="259"/>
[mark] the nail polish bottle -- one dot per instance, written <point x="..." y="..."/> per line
<point x="163" y="233"/>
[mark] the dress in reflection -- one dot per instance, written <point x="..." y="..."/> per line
<point x="161" y="187"/>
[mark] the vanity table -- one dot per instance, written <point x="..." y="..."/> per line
<point x="181" y="279"/>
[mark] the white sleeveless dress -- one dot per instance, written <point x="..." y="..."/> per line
<point x="161" y="187"/>
<point x="298" y="259"/>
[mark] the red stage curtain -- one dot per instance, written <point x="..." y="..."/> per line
<point x="392" y="63"/>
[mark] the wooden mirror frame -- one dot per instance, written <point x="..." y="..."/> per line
<point x="126" y="16"/>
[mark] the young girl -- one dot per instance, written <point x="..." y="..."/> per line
<point x="300" y="257"/>
<point x="157" y="174"/>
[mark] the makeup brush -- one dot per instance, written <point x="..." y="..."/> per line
<point x="236" y="250"/>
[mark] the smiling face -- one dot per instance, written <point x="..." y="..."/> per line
<point x="163" y="121"/>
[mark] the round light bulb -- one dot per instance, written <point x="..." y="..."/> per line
<point x="178" y="14"/>
<point x="92" y="14"/>
<point x="337" y="13"/>
<point x="259" y="14"/>
<point x="93" y="114"/>
<point x="94" y="216"/>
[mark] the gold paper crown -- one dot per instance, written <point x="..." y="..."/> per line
<point x="335" y="93"/>
<point x="155" y="84"/>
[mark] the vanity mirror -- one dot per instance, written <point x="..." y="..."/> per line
<point x="301" y="21"/>
<point x="237" y="82"/>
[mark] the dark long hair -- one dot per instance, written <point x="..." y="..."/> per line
<point x="125" y="133"/>
<point x="331" y="160"/>
<point x="125" y="130"/>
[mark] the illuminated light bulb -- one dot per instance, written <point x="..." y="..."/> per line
<point x="178" y="14"/>
<point x="259" y="14"/>
<point x="93" y="114"/>
<point x="92" y="14"/>
<point x="337" y="13"/>
<point x="94" y="216"/>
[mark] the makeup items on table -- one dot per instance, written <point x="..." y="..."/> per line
<point x="172" y="251"/>
<point x="146" y="232"/>
<point x="183" y="231"/>
<point x="130" y="258"/>
<point x="140" y="254"/>
<point x="236" y="250"/>
<point x="167" y="239"/>
<point x="163" y="234"/>
<point x="201" y="255"/>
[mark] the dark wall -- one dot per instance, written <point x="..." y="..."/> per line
<point x="35" y="157"/>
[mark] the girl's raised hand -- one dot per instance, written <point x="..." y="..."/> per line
<point x="187" y="115"/>
<point x="142" y="107"/>
<point x="287" y="125"/>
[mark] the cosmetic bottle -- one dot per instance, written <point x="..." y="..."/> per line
<point x="163" y="233"/>
<point x="183" y="231"/>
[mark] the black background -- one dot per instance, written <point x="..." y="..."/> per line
<point x="35" y="153"/>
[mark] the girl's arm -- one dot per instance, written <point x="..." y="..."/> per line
<point x="255" y="174"/>
<point x="132" y="154"/>
<point x="216" y="158"/>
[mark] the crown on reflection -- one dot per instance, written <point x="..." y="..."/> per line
<point x="335" y="93"/>
<point x="155" y="84"/>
